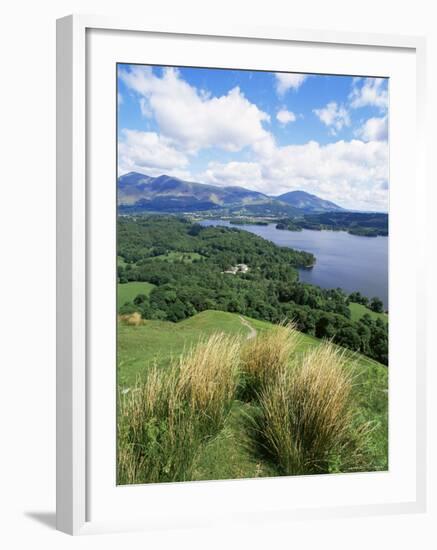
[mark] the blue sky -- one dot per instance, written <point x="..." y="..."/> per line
<point x="272" y="132"/>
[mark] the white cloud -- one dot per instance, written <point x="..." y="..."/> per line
<point x="372" y="92"/>
<point x="334" y="116"/>
<point x="353" y="174"/>
<point x="193" y="120"/>
<point x="284" y="116"/>
<point x="374" y="129"/>
<point x="244" y="174"/>
<point x="149" y="153"/>
<point x="289" y="81"/>
<point x="119" y="98"/>
<point x="144" y="108"/>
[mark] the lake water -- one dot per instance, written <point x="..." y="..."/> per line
<point x="343" y="261"/>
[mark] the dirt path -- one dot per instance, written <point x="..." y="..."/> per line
<point x="252" y="331"/>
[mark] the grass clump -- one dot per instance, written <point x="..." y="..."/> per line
<point x="263" y="358"/>
<point x="306" y="420"/>
<point x="164" y="422"/>
<point x="226" y="408"/>
<point x="132" y="319"/>
<point x="208" y="378"/>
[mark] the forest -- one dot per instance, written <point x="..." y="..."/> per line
<point x="187" y="264"/>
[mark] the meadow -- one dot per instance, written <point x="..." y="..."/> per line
<point x="359" y="310"/>
<point x="234" y="439"/>
<point x="129" y="291"/>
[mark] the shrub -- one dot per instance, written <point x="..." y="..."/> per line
<point x="127" y="309"/>
<point x="132" y="319"/>
<point x="208" y="378"/>
<point x="263" y="357"/>
<point x="164" y="422"/>
<point x="145" y="431"/>
<point x="306" y="420"/>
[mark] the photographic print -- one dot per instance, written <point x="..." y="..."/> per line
<point x="252" y="274"/>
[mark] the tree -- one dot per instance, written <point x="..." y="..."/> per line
<point x="376" y="305"/>
<point x="140" y="299"/>
<point x="348" y="337"/>
<point x="269" y="291"/>
<point x="379" y="343"/>
<point x="363" y="331"/>
<point x="127" y="309"/>
<point x="358" y="298"/>
<point x="324" y="327"/>
<point x="367" y="320"/>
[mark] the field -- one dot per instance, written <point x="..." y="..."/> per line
<point x="156" y="342"/>
<point x="228" y="455"/>
<point x="358" y="310"/>
<point x="128" y="291"/>
<point x="179" y="257"/>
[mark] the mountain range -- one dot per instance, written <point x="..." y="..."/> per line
<point x="141" y="193"/>
<point x="308" y="202"/>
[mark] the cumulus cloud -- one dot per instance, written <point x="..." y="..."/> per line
<point x="351" y="173"/>
<point x="192" y="120"/>
<point x="149" y="153"/>
<point x="289" y="81"/>
<point x="244" y="174"/>
<point x="284" y="116"/>
<point x="370" y="92"/>
<point x="374" y="129"/>
<point x="334" y="116"/>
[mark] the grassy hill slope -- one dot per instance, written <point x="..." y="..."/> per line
<point x="358" y="310"/>
<point x="128" y="291"/>
<point x="156" y="342"/>
<point x="227" y="456"/>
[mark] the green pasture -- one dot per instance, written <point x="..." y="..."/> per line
<point x="126" y="292"/>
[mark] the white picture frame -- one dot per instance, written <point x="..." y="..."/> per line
<point x="74" y="342"/>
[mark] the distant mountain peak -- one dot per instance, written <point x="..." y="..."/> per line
<point x="308" y="202"/>
<point x="166" y="193"/>
<point x="170" y="194"/>
<point x="133" y="177"/>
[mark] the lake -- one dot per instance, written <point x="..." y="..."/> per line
<point x="343" y="261"/>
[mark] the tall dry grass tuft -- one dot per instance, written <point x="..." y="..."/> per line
<point x="264" y="357"/>
<point x="164" y="422"/>
<point x="141" y="440"/>
<point x="208" y="377"/>
<point x="306" y="419"/>
<point x="132" y="319"/>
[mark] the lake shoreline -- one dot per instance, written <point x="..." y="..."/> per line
<point x="343" y="260"/>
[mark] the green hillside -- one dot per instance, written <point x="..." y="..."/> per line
<point x="189" y="265"/>
<point x="126" y="292"/>
<point x="178" y="257"/>
<point x="227" y="456"/>
<point x="156" y="342"/>
<point x="358" y="310"/>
